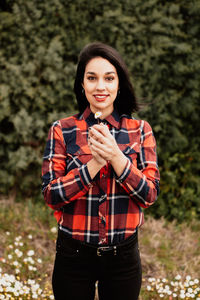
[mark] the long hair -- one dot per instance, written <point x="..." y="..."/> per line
<point x="125" y="102"/>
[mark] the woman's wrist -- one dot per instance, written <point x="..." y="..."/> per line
<point x="118" y="162"/>
<point x="94" y="166"/>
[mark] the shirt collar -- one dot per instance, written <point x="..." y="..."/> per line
<point x="113" y="119"/>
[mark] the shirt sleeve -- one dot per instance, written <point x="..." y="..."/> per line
<point x="142" y="182"/>
<point x="60" y="188"/>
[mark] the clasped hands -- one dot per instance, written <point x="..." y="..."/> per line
<point x="102" y="144"/>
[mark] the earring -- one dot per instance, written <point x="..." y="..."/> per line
<point x="83" y="91"/>
<point x="118" y="92"/>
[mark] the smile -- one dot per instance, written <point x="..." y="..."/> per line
<point x="100" y="97"/>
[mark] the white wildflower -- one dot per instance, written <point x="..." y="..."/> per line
<point x="30" y="252"/>
<point x="53" y="229"/>
<point x="169" y="293"/>
<point x="188" y="277"/>
<point x="18" y="252"/>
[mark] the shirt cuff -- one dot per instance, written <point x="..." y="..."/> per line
<point x="85" y="176"/>
<point x="125" y="173"/>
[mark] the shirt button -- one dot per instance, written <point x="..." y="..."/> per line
<point x="102" y="197"/>
<point x="103" y="219"/>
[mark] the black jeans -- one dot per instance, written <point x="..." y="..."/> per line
<point x="77" y="268"/>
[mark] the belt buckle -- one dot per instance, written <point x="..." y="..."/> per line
<point x="106" y="248"/>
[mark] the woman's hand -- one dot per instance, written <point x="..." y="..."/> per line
<point x="104" y="146"/>
<point x="102" y="143"/>
<point x="96" y="156"/>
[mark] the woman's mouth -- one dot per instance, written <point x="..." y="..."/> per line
<point x="100" y="98"/>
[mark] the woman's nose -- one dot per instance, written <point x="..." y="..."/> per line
<point x="100" y="85"/>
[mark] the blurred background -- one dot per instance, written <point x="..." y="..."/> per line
<point x="159" y="40"/>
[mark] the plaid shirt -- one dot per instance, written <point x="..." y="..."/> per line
<point x="107" y="208"/>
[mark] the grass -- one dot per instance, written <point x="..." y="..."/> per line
<point x="170" y="255"/>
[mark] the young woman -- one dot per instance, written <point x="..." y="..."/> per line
<point x="97" y="175"/>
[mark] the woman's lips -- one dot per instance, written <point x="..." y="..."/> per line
<point x="100" y="98"/>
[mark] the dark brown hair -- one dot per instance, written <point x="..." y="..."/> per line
<point x="125" y="103"/>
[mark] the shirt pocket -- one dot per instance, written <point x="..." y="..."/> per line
<point x="76" y="159"/>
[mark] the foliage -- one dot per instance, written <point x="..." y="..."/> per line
<point x="159" y="41"/>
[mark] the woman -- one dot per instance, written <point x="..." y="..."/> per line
<point x="97" y="175"/>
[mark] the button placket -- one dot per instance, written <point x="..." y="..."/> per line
<point x="102" y="217"/>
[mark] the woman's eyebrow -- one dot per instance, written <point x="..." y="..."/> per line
<point x="107" y="73"/>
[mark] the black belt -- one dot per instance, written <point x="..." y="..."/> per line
<point x="65" y="241"/>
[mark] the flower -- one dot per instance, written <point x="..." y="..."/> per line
<point x="161" y="295"/>
<point x="30" y="252"/>
<point x="178" y="277"/>
<point x="97" y="114"/>
<point x="188" y="277"/>
<point x="18" y="252"/>
<point x="53" y="229"/>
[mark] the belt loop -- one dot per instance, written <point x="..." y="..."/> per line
<point x="98" y="252"/>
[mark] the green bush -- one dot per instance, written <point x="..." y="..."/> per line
<point x="159" y="40"/>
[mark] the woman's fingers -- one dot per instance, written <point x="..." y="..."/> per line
<point x="102" y="141"/>
<point x="97" y="135"/>
<point x="95" y="153"/>
<point x="97" y="143"/>
<point x="104" y="150"/>
<point x="99" y="151"/>
<point x="103" y="129"/>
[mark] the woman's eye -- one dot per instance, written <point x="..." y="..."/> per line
<point x="110" y="78"/>
<point x="91" y="78"/>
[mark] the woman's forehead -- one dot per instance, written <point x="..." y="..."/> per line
<point x="100" y="65"/>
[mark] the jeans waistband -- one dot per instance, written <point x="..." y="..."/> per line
<point x="64" y="241"/>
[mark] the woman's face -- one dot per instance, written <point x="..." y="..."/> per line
<point x="101" y="84"/>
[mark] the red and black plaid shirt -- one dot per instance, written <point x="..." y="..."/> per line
<point x="106" y="209"/>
